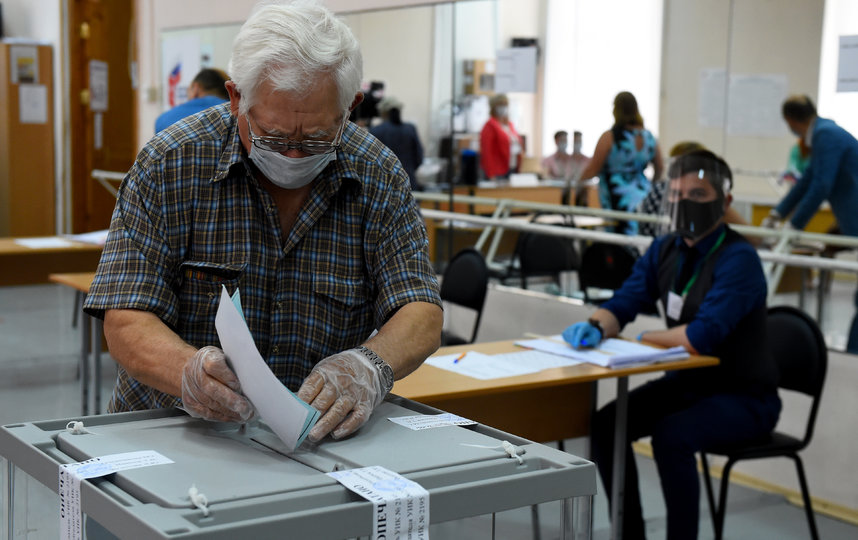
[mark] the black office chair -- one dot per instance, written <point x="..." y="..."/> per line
<point x="545" y="255"/>
<point x="604" y="266"/>
<point x="799" y="349"/>
<point x="465" y="282"/>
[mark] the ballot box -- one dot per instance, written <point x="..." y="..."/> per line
<point x="255" y="490"/>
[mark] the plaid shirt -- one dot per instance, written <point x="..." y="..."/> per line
<point x="192" y="218"/>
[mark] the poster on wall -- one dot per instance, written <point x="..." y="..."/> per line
<point x="24" y="62"/>
<point x="97" y="85"/>
<point x="754" y="105"/>
<point x="180" y="63"/>
<point x="749" y="103"/>
<point x="847" y="64"/>
<point x="516" y="70"/>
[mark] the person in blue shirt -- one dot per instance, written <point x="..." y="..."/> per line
<point x="711" y="283"/>
<point x="206" y="90"/>
<point x="831" y="175"/>
<point x="401" y="137"/>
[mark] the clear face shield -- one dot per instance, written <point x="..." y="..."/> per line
<point x="696" y="194"/>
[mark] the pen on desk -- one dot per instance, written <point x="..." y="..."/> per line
<point x="456" y="361"/>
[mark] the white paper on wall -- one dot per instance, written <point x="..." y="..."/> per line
<point x="847" y="64"/>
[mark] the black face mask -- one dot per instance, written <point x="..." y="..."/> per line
<point x="693" y="219"/>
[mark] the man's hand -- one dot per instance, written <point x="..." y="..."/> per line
<point x="582" y="334"/>
<point x="772" y="221"/>
<point x="210" y="389"/>
<point x="345" y="388"/>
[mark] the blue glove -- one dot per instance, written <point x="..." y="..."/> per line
<point x="582" y="334"/>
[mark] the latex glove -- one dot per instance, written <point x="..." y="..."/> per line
<point x="582" y="334"/>
<point x="210" y="389"/>
<point x="345" y="388"/>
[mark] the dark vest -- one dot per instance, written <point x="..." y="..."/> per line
<point x="746" y="365"/>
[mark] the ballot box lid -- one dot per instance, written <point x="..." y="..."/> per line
<point x="253" y="485"/>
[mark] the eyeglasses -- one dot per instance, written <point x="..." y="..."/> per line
<point x="280" y="144"/>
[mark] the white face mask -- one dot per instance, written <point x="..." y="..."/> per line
<point x="561" y="147"/>
<point x="288" y="172"/>
<point x="502" y="110"/>
<point x="576" y="147"/>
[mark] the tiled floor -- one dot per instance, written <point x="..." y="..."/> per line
<point x="38" y="364"/>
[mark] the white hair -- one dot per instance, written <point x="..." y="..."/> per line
<point x="291" y="44"/>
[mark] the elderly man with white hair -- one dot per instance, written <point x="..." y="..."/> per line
<point x="278" y="195"/>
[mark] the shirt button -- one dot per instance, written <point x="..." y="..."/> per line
<point x="280" y="304"/>
<point x="211" y="296"/>
<point x="275" y="350"/>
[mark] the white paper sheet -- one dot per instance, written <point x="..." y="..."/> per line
<point x="286" y="415"/>
<point x="98" y="238"/>
<point x="43" y="242"/>
<point x="610" y="353"/>
<point x="428" y="421"/>
<point x="479" y="366"/>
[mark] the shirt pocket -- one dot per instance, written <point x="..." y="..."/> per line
<point x="343" y="303"/>
<point x="199" y="295"/>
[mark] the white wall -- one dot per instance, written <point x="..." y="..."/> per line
<point x="759" y="37"/>
<point x="597" y="49"/>
<point x="841" y="19"/>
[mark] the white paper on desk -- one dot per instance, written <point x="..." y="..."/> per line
<point x="99" y="238"/>
<point x="43" y="242"/>
<point x="610" y="353"/>
<point x="480" y="366"/>
<point x="287" y="416"/>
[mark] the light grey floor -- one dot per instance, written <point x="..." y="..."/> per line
<point x="38" y="365"/>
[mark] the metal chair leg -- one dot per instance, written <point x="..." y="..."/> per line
<point x="805" y="495"/>
<point x="710" y="494"/>
<point x="722" y="500"/>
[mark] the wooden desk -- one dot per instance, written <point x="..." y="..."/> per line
<point x="91" y="342"/>
<point x="22" y="265"/>
<point x="553" y="404"/>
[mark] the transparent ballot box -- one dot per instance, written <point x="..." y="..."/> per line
<point x="255" y="490"/>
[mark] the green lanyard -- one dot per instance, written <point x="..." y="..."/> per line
<point x="699" y="265"/>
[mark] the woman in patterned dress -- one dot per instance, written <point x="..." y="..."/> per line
<point x="621" y="156"/>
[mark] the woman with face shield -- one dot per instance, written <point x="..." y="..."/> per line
<point x="710" y="282"/>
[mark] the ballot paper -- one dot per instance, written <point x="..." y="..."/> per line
<point x="610" y="353"/>
<point x="479" y="365"/>
<point x="288" y="416"/>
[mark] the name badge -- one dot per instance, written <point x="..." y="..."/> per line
<point x="674" y="305"/>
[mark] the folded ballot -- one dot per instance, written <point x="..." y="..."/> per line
<point x="289" y="417"/>
<point x="610" y="353"/>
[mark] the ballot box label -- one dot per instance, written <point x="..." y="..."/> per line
<point x="70" y="475"/>
<point x="400" y="505"/>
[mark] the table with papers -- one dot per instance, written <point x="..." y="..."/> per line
<point x="547" y="405"/>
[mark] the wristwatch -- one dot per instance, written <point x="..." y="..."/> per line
<point x="385" y="372"/>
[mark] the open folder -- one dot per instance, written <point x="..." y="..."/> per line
<point x="610" y="353"/>
<point x="289" y="417"/>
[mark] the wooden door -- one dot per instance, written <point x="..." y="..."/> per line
<point x="103" y="124"/>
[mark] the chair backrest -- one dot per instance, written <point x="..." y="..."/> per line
<point x="605" y="266"/>
<point x="465" y="282"/>
<point x="545" y="254"/>
<point x="798" y="347"/>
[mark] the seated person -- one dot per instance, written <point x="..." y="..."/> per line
<point x="559" y="164"/>
<point x="711" y="283"/>
<point x="206" y="90"/>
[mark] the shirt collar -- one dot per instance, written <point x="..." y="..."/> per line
<point x="808" y="135"/>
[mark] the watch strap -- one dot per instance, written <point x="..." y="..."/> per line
<point x="384" y="370"/>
